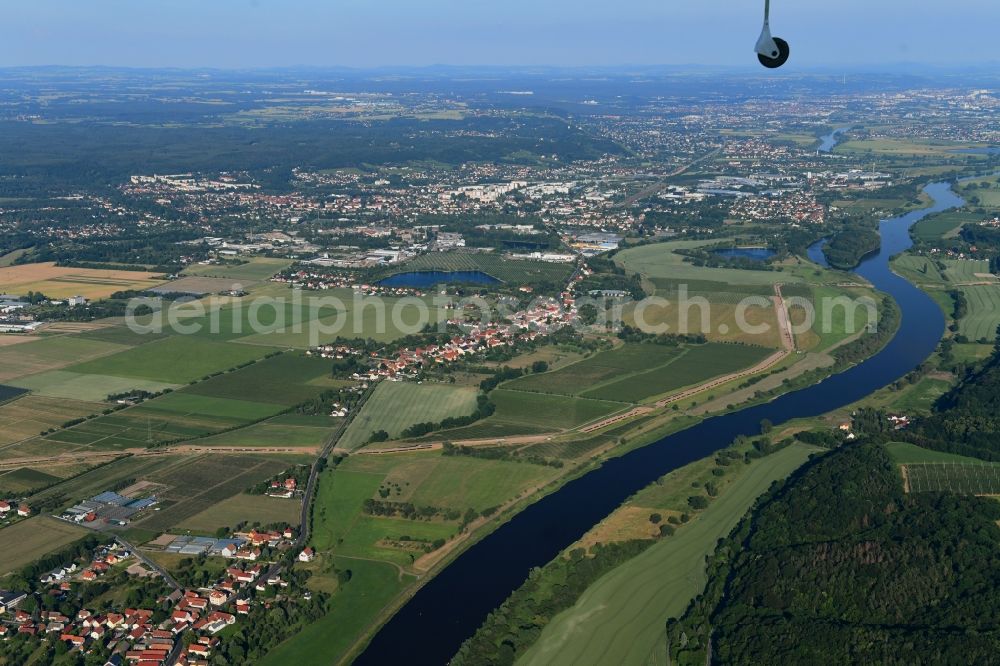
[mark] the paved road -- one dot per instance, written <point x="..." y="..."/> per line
<point x="328" y="447"/>
<point x="149" y="563"/>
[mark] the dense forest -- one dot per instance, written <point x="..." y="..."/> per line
<point x="42" y="159"/>
<point x="967" y="418"/>
<point x="839" y="565"/>
<point x="849" y="246"/>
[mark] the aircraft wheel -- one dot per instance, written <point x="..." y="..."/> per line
<point x="779" y="58"/>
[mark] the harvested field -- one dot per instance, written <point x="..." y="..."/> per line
<point x="63" y="282"/>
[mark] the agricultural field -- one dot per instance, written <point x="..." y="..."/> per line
<point x="942" y="225"/>
<point x="510" y="271"/>
<point x="88" y="387"/>
<point x="983" y="316"/>
<point x="101" y="478"/>
<point x="170" y="418"/>
<point x="971" y="478"/>
<point x="277" y="435"/>
<point x="985" y="190"/>
<point x="28" y="540"/>
<point x="620" y="618"/>
<point x="176" y="359"/>
<point x="62" y="282"/>
<point x="635" y="372"/>
<point x="395" y="406"/>
<point x="919" y="269"/>
<point x="198" y="286"/>
<point x="658" y="260"/>
<point x="257" y="269"/>
<point x="381" y="551"/>
<point x="901" y="147"/>
<point x="25" y="479"/>
<point x="968" y="270"/>
<point x="905" y="453"/>
<point x="547" y="412"/>
<point x="696" y="365"/>
<point x="603" y="367"/>
<point x="242" y="508"/>
<point x="195" y="484"/>
<point x="333" y="313"/>
<point x="287" y="379"/>
<point x="341" y="527"/>
<point x="30" y="414"/>
<point x="433" y="479"/>
<point x="50" y="354"/>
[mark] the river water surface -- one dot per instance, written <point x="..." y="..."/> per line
<point x="433" y="624"/>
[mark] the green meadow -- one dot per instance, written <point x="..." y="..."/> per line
<point x="620" y="618"/>
<point x="395" y="406"/>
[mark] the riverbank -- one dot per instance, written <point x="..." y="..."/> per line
<point x="545" y="528"/>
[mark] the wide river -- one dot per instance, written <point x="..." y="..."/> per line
<point x="430" y="628"/>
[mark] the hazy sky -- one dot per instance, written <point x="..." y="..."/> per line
<point x="364" y="33"/>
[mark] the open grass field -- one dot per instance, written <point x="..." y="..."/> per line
<point x="51" y="354"/>
<point x="658" y="260"/>
<point x="190" y="404"/>
<point x="989" y="196"/>
<point x="906" y="453"/>
<point x="921" y="396"/>
<point x="340" y="526"/>
<point x="710" y="307"/>
<point x="395" y="406"/>
<point x="698" y="364"/>
<point x="350" y="315"/>
<point x="243" y="508"/>
<point x="89" y="387"/>
<point x="199" y="286"/>
<point x="971" y="478"/>
<point x="258" y="268"/>
<point x="31" y="414"/>
<point x="635" y="372"/>
<point x="24" y="480"/>
<point x="972" y="352"/>
<point x="354" y="607"/>
<point x="942" y="225"/>
<point x="176" y="359"/>
<point x="139" y="427"/>
<point x="511" y="271"/>
<point x="288" y="379"/>
<point x="983" y="316"/>
<point x="429" y="478"/>
<point x="919" y="269"/>
<point x="606" y="366"/>
<point x="119" y="334"/>
<point x="59" y="282"/>
<point x="170" y="418"/>
<point x="900" y="147"/>
<point x="31" y="539"/>
<point x="835" y="321"/>
<point x="548" y="411"/>
<point x="620" y="618"/>
<point x="967" y="270"/>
